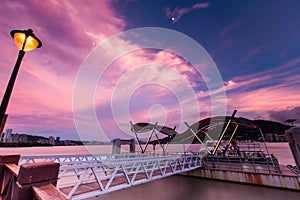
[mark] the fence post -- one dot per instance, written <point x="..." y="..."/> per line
<point x="7" y="159"/>
<point x="6" y="180"/>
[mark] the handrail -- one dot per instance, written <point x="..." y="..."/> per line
<point x="267" y="164"/>
<point x="48" y="191"/>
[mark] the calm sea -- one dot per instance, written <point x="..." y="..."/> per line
<point x="188" y="188"/>
<point x="178" y="187"/>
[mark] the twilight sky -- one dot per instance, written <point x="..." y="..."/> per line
<point x="254" y="45"/>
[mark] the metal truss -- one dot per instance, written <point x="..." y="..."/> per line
<point x="79" y="158"/>
<point x="62" y="159"/>
<point x="87" y="176"/>
<point x="152" y="132"/>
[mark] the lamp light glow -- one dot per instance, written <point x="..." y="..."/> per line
<point x="25" y="40"/>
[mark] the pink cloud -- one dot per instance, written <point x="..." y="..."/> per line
<point x="272" y="90"/>
<point x="167" y="78"/>
<point x="42" y="95"/>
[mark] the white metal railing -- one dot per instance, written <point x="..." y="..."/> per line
<point x="71" y="159"/>
<point x="266" y="164"/>
<point x="84" y="176"/>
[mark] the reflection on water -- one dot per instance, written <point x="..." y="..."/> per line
<point x="182" y="187"/>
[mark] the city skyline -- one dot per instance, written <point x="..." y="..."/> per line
<point x="253" y="44"/>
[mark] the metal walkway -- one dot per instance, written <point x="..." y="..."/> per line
<point x="84" y="176"/>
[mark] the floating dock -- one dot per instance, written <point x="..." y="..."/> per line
<point x="249" y="173"/>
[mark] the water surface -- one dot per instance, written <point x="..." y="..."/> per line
<point x="189" y="188"/>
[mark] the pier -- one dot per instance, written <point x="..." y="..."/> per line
<point x="83" y="176"/>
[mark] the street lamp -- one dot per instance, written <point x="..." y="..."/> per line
<point x="26" y="41"/>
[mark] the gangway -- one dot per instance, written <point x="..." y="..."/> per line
<point x="84" y="176"/>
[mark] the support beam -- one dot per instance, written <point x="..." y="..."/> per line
<point x="136" y="136"/>
<point x="196" y="136"/>
<point x="228" y="143"/>
<point x="224" y="131"/>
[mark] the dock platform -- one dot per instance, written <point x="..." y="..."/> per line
<point x="262" y="174"/>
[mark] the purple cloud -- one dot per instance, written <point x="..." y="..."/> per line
<point x="283" y="115"/>
<point x="227" y="29"/>
<point x="252" y="53"/>
<point x="271" y="94"/>
<point x="178" y="12"/>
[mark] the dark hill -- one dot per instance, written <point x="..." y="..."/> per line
<point x="271" y="126"/>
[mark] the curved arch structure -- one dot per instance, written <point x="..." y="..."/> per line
<point x="208" y="125"/>
<point x="201" y="128"/>
<point x="143" y="127"/>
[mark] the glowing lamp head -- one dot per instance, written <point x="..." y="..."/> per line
<point x="25" y="39"/>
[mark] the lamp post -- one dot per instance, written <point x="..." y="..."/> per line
<point x="26" y="41"/>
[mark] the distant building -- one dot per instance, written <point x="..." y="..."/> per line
<point x="269" y="137"/>
<point x="51" y="140"/>
<point x="43" y="141"/>
<point x="14" y="138"/>
<point x="7" y="135"/>
<point x="18" y="138"/>
<point x="23" y="138"/>
<point x="57" y="141"/>
<point x="2" y="124"/>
